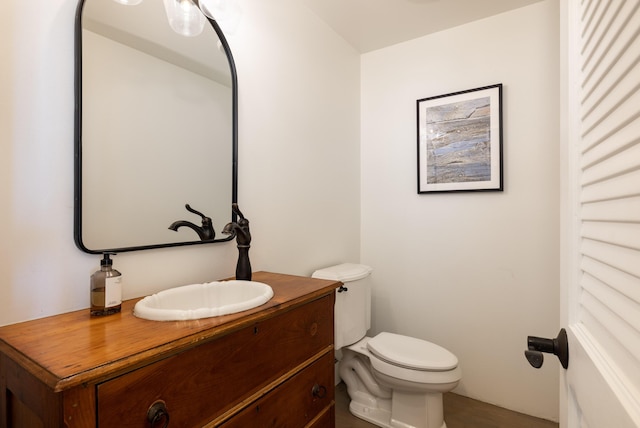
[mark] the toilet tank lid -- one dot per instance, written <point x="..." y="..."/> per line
<point x="344" y="272"/>
<point x="412" y="353"/>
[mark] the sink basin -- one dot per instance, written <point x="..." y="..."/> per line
<point x="196" y="301"/>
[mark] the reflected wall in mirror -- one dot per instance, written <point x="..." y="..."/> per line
<point x="156" y="128"/>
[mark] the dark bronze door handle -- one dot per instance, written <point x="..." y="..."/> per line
<point x="558" y="346"/>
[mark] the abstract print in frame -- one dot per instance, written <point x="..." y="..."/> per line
<point x="460" y="141"/>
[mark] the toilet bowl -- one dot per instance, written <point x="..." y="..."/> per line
<point x="392" y="380"/>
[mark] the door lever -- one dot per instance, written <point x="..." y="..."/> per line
<point x="558" y="346"/>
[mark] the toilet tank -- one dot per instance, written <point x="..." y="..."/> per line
<point x="353" y="302"/>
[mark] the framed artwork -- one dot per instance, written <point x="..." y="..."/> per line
<point x="460" y="141"/>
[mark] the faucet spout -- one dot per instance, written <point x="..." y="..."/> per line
<point x="230" y="228"/>
<point x="183" y="223"/>
<point x="205" y="232"/>
<point x="239" y="228"/>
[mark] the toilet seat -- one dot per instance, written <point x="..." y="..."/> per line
<point x="411" y="353"/>
<point x="412" y="361"/>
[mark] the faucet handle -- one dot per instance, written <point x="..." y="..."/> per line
<point x="191" y="210"/>
<point x="207" y="223"/>
<point x="236" y="210"/>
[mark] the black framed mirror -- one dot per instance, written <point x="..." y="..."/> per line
<point x="156" y="128"/>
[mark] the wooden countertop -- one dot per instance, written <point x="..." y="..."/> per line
<point x="67" y="350"/>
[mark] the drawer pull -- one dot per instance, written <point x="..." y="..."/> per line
<point x="319" y="391"/>
<point x="157" y="414"/>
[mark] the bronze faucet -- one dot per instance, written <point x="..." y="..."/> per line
<point x="205" y="232"/>
<point x="243" y="238"/>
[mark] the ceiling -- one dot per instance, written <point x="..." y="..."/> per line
<point x="374" y="24"/>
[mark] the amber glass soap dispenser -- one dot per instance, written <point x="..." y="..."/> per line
<point x="106" y="289"/>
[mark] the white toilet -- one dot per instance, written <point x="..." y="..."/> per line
<point x="393" y="380"/>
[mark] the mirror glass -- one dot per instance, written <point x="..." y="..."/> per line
<point x="156" y="118"/>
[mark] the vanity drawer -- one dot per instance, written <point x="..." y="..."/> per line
<point x="296" y="402"/>
<point x="203" y="382"/>
<point x="326" y="420"/>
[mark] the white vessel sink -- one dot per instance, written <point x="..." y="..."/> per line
<point x="196" y="301"/>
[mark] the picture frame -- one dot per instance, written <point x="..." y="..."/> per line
<point x="460" y="141"/>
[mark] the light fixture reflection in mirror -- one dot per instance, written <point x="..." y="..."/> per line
<point x="184" y="17"/>
<point x="128" y="2"/>
<point x="225" y="12"/>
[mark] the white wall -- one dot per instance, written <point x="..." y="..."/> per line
<point x="474" y="272"/>
<point x="299" y="137"/>
<point x="299" y="157"/>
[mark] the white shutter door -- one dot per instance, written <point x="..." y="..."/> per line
<point x="604" y="298"/>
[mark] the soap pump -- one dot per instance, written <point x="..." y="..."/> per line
<point x="106" y="288"/>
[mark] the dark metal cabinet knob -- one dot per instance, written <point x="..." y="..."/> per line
<point x="158" y="415"/>
<point x="319" y="391"/>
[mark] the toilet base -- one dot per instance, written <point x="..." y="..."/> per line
<point x="378" y="416"/>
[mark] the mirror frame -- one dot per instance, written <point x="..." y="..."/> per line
<point x="77" y="226"/>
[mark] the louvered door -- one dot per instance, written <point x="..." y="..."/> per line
<point x="601" y="215"/>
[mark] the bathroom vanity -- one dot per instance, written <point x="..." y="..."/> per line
<point x="268" y="366"/>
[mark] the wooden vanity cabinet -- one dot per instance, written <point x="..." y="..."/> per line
<point x="268" y="367"/>
<point x="204" y="382"/>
